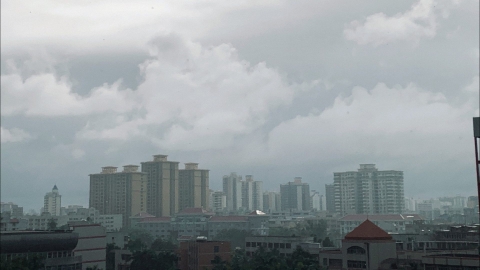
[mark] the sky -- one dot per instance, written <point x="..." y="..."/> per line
<point x="273" y="89"/>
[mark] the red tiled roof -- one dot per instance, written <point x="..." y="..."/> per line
<point x="381" y="217"/>
<point x="368" y="231"/>
<point x="228" y="219"/>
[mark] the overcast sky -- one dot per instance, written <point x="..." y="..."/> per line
<point x="276" y="89"/>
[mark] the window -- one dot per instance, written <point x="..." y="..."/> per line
<point x="289" y="245"/>
<point x="355" y="250"/>
<point x="357" y="264"/>
<point x="216" y="249"/>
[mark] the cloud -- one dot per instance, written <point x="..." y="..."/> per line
<point x="194" y="97"/>
<point x="46" y="95"/>
<point x="379" y="29"/>
<point x="14" y="135"/>
<point x="407" y="127"/>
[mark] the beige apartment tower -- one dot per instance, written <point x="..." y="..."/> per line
<point x="162" y="186"/>
<point x="113" y="192"/>
<point x="193" y="188"/>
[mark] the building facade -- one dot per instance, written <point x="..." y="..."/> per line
<point x="218" y="201"/>
<point x="162" y="186"/>
<point x="295" y="195"/>
<point x="193" y="188"/>
<point x="14" y="209"/>
<point x="113" y="192"/>
<point x="330" y="198"/>
<point x="369" y="191"/>
<point x="271" y="202"/>
<point x="232" y="187"/>
<point x="252" y="198"/>
<point x="52" y="202"/>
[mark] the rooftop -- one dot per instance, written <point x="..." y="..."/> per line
<point x="368" y="231"/>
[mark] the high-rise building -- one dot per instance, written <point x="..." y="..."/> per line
<point x="271" y="202"/>
<point x="113" y="192"/>
<point x="232" y="187"/>
<point x="162" y="186"/>
<point x="252" y="198"/>
<point x="53" y="202"/>
<point x="369" y="191"/>
<point x="295" y="195"/>
<point x="193" y="187"/>
<point x="316" y="201"/>
<point x="330" y="197"/>
<point x="218" y="201"/>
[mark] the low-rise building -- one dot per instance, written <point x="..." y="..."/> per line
<point x="284" y="244"/>
<point x="91" y="243"/>
<point x="56" y="247"/>
<point x="396" y="223"/>
<point x="200" y="254"/>
<point x="365" y="247"/>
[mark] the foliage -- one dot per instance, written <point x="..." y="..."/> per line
<point x="327" y="242"/>
<point x="163" y="245"/>
<point x="234" y="236"/>
<point x="143" y="235"/>
<point x="302" y="260"/>
<point x="23" y="263"/>
<point x="52" y="224"/>
<point x="273" y="260"/>
<point x="219" y="264"/>
<point x="281" y="231"/>
<point x="149" y="260"/>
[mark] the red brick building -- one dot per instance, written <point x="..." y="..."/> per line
<point x="199" y="254"/>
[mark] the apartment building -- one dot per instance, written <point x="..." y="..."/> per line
<point x="162" y="185"/>
<point x="193" y="188"/>
<point x="271" y="202"/>
<point x="369" y="191"/>
<point x="113" y="192"/>
<point x="218" y="201"/>
<point x="232" y="187"/>
<point x="52" y="202"/>
<point x="295" y="195"/>
<point x="252" y="198"/>
<point x="330" y="198"/>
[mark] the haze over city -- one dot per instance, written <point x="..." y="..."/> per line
<point x="274" y="89"/>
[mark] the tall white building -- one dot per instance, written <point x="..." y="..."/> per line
<point x="52" y="202"/>
<point x="316" y="200"/>
<point x="252" y="198"/>
<point x="218" y="201"/>
<point x="369" y="191"/>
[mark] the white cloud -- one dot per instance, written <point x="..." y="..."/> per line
<point x="407" y="127"/>
<point x="14" y="135"/>
<point x="196" y="97"/>
<point x="45" y="95"/>
<point x="379" y="29"/>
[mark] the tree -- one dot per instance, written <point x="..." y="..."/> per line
<point x="142" y="235"/>
<point x="219" y="264"/>
<point x="163" y="245"/>
<point x="327" y="242"/>
<point x="52" y="224"/>
<point x="149" y="260"/>
<point x="302" y="260"/>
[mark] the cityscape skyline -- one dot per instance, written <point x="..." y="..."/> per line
<point x="319" y="88"/>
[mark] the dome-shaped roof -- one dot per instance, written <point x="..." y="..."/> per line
<point x="368" y="231"/>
